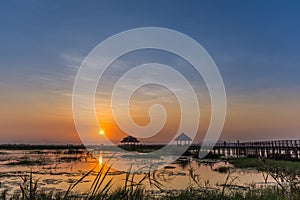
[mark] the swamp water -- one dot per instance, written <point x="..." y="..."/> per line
<point x="56" y="169"/>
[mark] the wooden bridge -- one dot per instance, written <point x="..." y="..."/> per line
<point x="279" y="149"/>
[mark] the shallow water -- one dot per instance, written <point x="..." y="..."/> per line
<point x="57" y="169"/>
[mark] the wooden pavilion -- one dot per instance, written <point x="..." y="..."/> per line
<point x="130" y="141"/>
<point x="183" y="139"/>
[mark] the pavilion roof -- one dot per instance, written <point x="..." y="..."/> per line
<point x="130" y="139"/>
<point x="183" y="137"/>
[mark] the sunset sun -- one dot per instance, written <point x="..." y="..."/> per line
<point x="101" y="132"/>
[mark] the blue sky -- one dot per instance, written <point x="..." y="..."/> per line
<point x="254" y="39"/>
<point x="255" y="44"/>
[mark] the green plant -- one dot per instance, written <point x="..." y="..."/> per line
<point x="28" y="187"/>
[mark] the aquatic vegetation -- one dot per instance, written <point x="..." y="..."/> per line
<point x="29" y="187"/>
<point x="108" y="184"/>
<point x="261" y="163"/>
<point x="222" y="169"/>
<point x="134" y="190"/>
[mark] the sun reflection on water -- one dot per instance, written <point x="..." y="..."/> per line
<point x="100" y="160"/>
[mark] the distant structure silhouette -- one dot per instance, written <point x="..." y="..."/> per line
<point x="130" y="141"/>
<point x="183" y="139"/>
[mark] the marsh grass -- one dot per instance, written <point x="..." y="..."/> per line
<point x="223" y="169"/>
<point x="261" y="163"/>
<point x="288" y="188"/>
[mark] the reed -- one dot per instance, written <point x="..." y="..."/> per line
<point x="101" y="188"/>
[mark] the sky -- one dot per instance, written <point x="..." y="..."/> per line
<point x="255" y="45"/>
